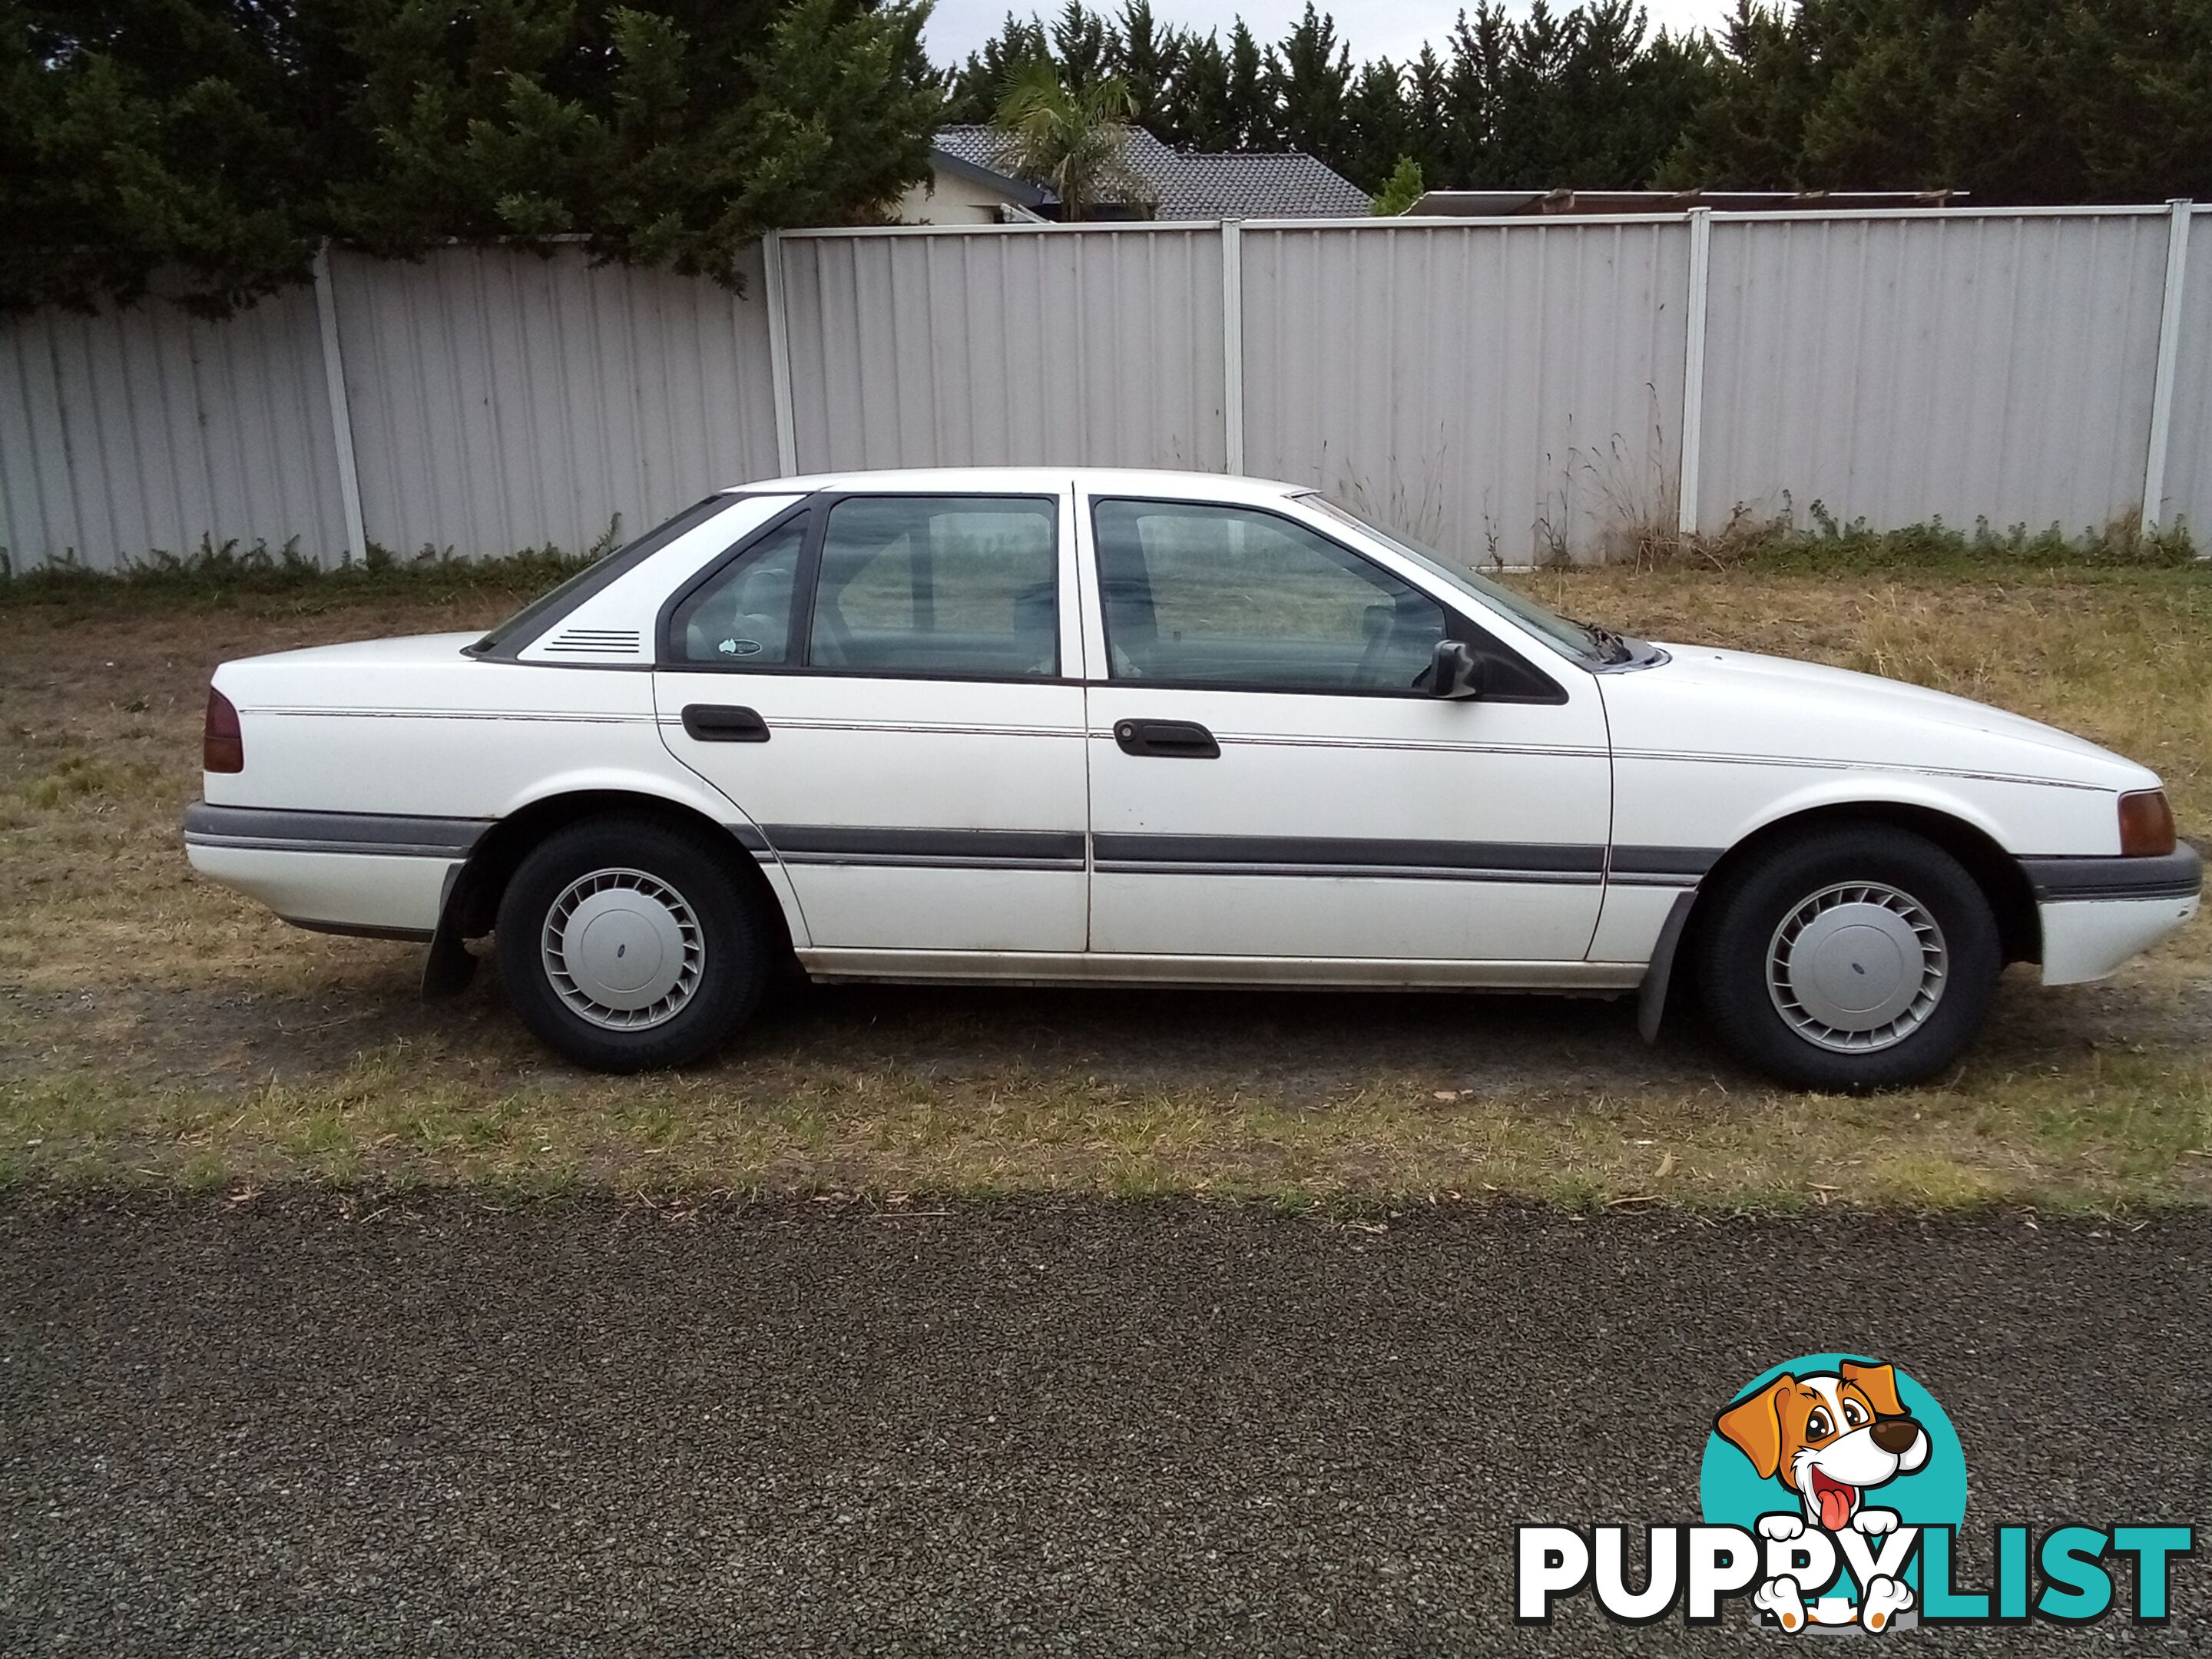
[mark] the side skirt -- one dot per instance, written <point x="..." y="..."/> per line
<point x="1058" y="968"/>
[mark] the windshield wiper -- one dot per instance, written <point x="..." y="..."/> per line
<point x="1611" y="647"/>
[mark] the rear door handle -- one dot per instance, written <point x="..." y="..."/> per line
<point x="1173" y="739"/>
<point x="718" y="722"/>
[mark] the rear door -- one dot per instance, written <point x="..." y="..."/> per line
<point x="889" y="686"/>
<point x="1269" y="779"/>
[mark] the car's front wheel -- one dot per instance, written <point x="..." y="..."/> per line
<point x="1858" y="956"/>
<point x="627" y="944"/>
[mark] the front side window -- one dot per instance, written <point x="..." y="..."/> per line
<point x="1234" y="597"/>
<point x="1586" y="643"/>
<point x="965" y="586"/>
<point x="742" y="618"/>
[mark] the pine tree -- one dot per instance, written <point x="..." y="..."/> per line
<point x="1201" y="114"/>
<point x="1251" y="123"/>
<point x="1378" y="127"/>
<point x="1144" y="57"/>
<point x="1311" y="74"/>
<point x="973" y="91"/>
<point x="186" y="141"/>
<point x="1080" y="48"/>
<point x="213" y="144"/>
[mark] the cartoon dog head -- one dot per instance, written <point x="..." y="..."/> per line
<point x="1829" y="1435"/>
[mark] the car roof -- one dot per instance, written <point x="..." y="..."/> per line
<point x="998" y="479"/>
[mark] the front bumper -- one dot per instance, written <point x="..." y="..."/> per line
<point x="2098" y="912"/>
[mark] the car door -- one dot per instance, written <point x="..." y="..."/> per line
<point x="1268" y="780"/>
<point x="884" y="685"/>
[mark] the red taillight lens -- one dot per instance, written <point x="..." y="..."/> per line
<point x="222" y="746"/>
<point x="2146" y="824"/>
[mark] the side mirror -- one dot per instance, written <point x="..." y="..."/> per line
<point x="1454" y="670"/>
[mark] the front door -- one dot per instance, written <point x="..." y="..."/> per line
<point x="881" y="683"/>
<point x="1269" y="779"/>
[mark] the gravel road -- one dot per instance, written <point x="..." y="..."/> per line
<point x="275" y="1427"/>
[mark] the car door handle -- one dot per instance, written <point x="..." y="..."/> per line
<point x="1175" y="740"/>
<point x="718" y="722"/>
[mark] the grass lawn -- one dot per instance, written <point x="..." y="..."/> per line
<point x="156" y="1029"/>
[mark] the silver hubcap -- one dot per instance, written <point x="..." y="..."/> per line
<point x="623" y="950"/>
<point x="1856" y="967"/>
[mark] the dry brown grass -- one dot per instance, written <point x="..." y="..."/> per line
<point x="154" y="1027"/>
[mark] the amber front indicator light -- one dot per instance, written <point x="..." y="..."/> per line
<point x="2146" y="824"/>
<point x="222" y="747"/>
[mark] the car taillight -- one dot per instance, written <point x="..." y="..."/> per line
<point x="222" y="746"/>
<point x="2146" y="824"/>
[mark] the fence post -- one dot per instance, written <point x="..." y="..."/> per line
<point x="1693" y="372"/>
<point x="1233" y="342"/>
<point x="2169" y="351"/>
<point x="334" y="382"/>
<point x="778" y="355"/>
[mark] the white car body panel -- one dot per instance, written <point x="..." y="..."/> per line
<point x="341" y="892"/>
<point x="1298" y="773"/>
<point x="1302" y="777"/>
<point x="916" y="827"/>
<point x="904" y="759"/>
<point x="2090" y="940"/>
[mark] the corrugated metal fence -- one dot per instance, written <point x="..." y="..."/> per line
<point x="1512" y="389"/>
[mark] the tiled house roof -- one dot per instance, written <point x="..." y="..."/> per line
<point x="1191" y="185"/>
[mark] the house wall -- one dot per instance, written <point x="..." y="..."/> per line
<point x="1513" y="389"/>
<point x="947" y="198"/>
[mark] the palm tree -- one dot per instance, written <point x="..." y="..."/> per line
<point x="1076" y="142"/>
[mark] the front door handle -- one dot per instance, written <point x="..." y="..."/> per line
<point x="719" y="722"/>
<point x="1174" y="739"/>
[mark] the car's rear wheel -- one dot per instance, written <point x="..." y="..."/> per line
<point x="1858" y="956"/>
<point x="627" y="944"/>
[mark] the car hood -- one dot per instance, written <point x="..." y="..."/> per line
<point x="1707" y="701"/>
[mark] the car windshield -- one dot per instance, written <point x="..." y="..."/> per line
<point x="1591" y="646"/>
<point x="521" y="627"/>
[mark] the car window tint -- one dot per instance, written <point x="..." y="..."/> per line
<point x="743" y="616"/>
<point x="939" y="585"/>
<point x="1224" y="596"/>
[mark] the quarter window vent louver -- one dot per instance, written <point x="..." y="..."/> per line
<point x="595" y="642"/>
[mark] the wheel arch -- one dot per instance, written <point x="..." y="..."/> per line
<point x="1995" y="871"/>
<point x="472" y="896"/>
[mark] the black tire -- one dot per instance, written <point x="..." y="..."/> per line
<point x="1773" y="1023"/>
<point x="640" y="862"/>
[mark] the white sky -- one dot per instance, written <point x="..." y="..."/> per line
<point x="1373" y="28"/>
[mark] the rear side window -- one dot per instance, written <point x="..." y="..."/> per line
<point x="526" y="624"/>
<point x="965" y="587"/>
<point x="742" y="618"/>
<point x="1238" y="598"/>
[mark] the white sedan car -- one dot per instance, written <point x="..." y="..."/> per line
<point x="1067" y="727"/>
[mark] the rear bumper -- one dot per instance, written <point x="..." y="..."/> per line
<point x="334" y="892"/>
<point x="2098" y="912"/>
<point x="338" y="871"/>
